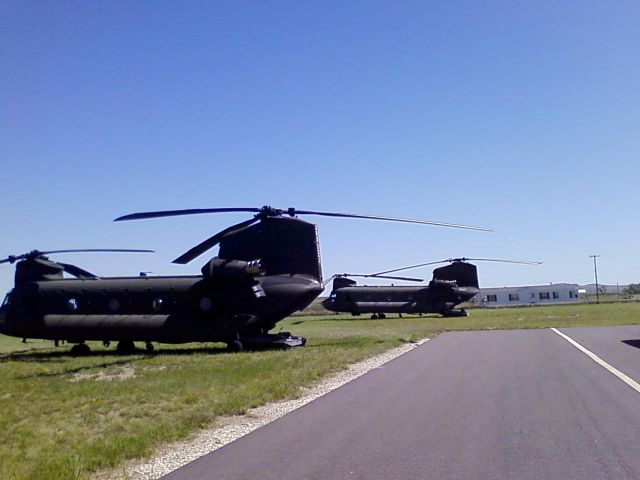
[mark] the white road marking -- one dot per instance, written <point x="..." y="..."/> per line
<point x="626" y="379"/>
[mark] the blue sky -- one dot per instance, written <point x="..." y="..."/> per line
<point x="519" y="116"/>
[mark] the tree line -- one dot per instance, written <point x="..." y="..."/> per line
<point x="632" y="289"/>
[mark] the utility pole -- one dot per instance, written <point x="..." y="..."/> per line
<point x="595" y="271"/>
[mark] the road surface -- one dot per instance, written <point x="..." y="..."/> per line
<point x="520" y="404"/>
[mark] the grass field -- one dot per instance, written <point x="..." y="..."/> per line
<point x="64" y="417"/>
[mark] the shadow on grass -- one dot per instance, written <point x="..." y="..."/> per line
<point x="39" y="356"/>
<point x="366" y="318"/>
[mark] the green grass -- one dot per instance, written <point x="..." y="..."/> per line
<point x="64" y="417"/>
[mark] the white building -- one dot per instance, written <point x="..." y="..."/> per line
<point x="530" y="295"/>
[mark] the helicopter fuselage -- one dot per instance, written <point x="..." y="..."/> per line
<point x="440" y="299"/>
<point x="450" y="286"/>
<point x="163" y="309"/>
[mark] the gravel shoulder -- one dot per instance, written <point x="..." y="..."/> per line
<point x="227" y="429"/>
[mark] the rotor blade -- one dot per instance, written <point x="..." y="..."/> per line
<point x="290" y="211"/>
<point x="191" y="211"/>
<point x="76" y="271"/>
<point x="391" y="219"/>
<point x="37" y="253"/>
<point x="409" y="279"/>
<point x="452" y="260"/>
<point x="410" y="267"/>
<point x="464" y="259"/>
<point x="112" y="250"/>
<point x="212" y="241"/>
<point x="327" y="280"/>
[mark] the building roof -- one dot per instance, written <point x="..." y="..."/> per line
<point x="550" y="286"/>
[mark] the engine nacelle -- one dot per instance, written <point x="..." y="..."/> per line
<point x="219" y="268"/>
<point x="341" y="282"/>
<point x="438" y="283"/>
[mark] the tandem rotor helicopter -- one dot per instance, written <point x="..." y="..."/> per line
<point x="267" y="268"/>
<point x="450" y="286"/>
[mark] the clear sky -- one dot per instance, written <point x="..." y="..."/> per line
<point x="519" y="116"/>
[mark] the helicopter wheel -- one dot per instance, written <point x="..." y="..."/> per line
<point x="80" y="349"/>
<point x="382" y="316"/>
<point x="126" y="347"/>
<point x="149" y="346"/>
<point x="235" y="346"/>
<point x="374" y="316"/>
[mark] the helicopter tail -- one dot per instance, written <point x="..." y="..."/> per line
<point x="464" y="274"/>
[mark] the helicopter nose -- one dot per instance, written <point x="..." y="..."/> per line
<point x="315" y="288"/>
<point x="308" y="291"/>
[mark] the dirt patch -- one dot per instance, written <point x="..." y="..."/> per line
<point x="123" y="373"/>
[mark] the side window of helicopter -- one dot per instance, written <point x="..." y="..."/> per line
<point x="114" y="304"/>
<point x="205" y="304"/>
<point x="157" y="304"/>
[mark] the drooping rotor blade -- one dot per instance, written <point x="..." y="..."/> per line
<point x="76" y="271"/>
<point x="408" y="279"/>
<point x="12" y="258"/>
<point x="270" y="211"/>
<point x="265" y="212"/>
<point x="327" y="280"/>
<point x="417" y="265"/>
<point x="191" y="211"/>
<point x="293" y="211"/>
<point x="108" y="250"/>
<point x="212" y="241"/>
<point x="453" y="260"/>
<point x="38" y="253"/>
<point x="464" y="259"/>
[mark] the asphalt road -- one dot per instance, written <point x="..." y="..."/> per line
<point x="467" y="405"/>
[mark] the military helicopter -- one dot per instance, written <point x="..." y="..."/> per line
<point x="267" y="268"/>
<point x="450" y="286"/>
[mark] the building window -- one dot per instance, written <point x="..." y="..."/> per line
<point x="544" y="295"/>
<point x="492" y="298"/>
<point x="514" y="297"/>
<point x="556" y="295"/>
<point x="572" y="294"/>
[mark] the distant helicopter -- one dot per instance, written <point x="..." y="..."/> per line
<point x="450" y="286"/>
<point x="267" y="268"/>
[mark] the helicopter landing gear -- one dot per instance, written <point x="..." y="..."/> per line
<point x="262" y="341"/>
<point x="455" y="313"/>
<point x="149" y="346"/>
<point x="374" y="316"/>
<point x="235" y="346"/>
<point x="380" y="316"/>
<point x="106" y="343"/>
<point x="126" y="347"/>
<point x="80" y="349"/>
